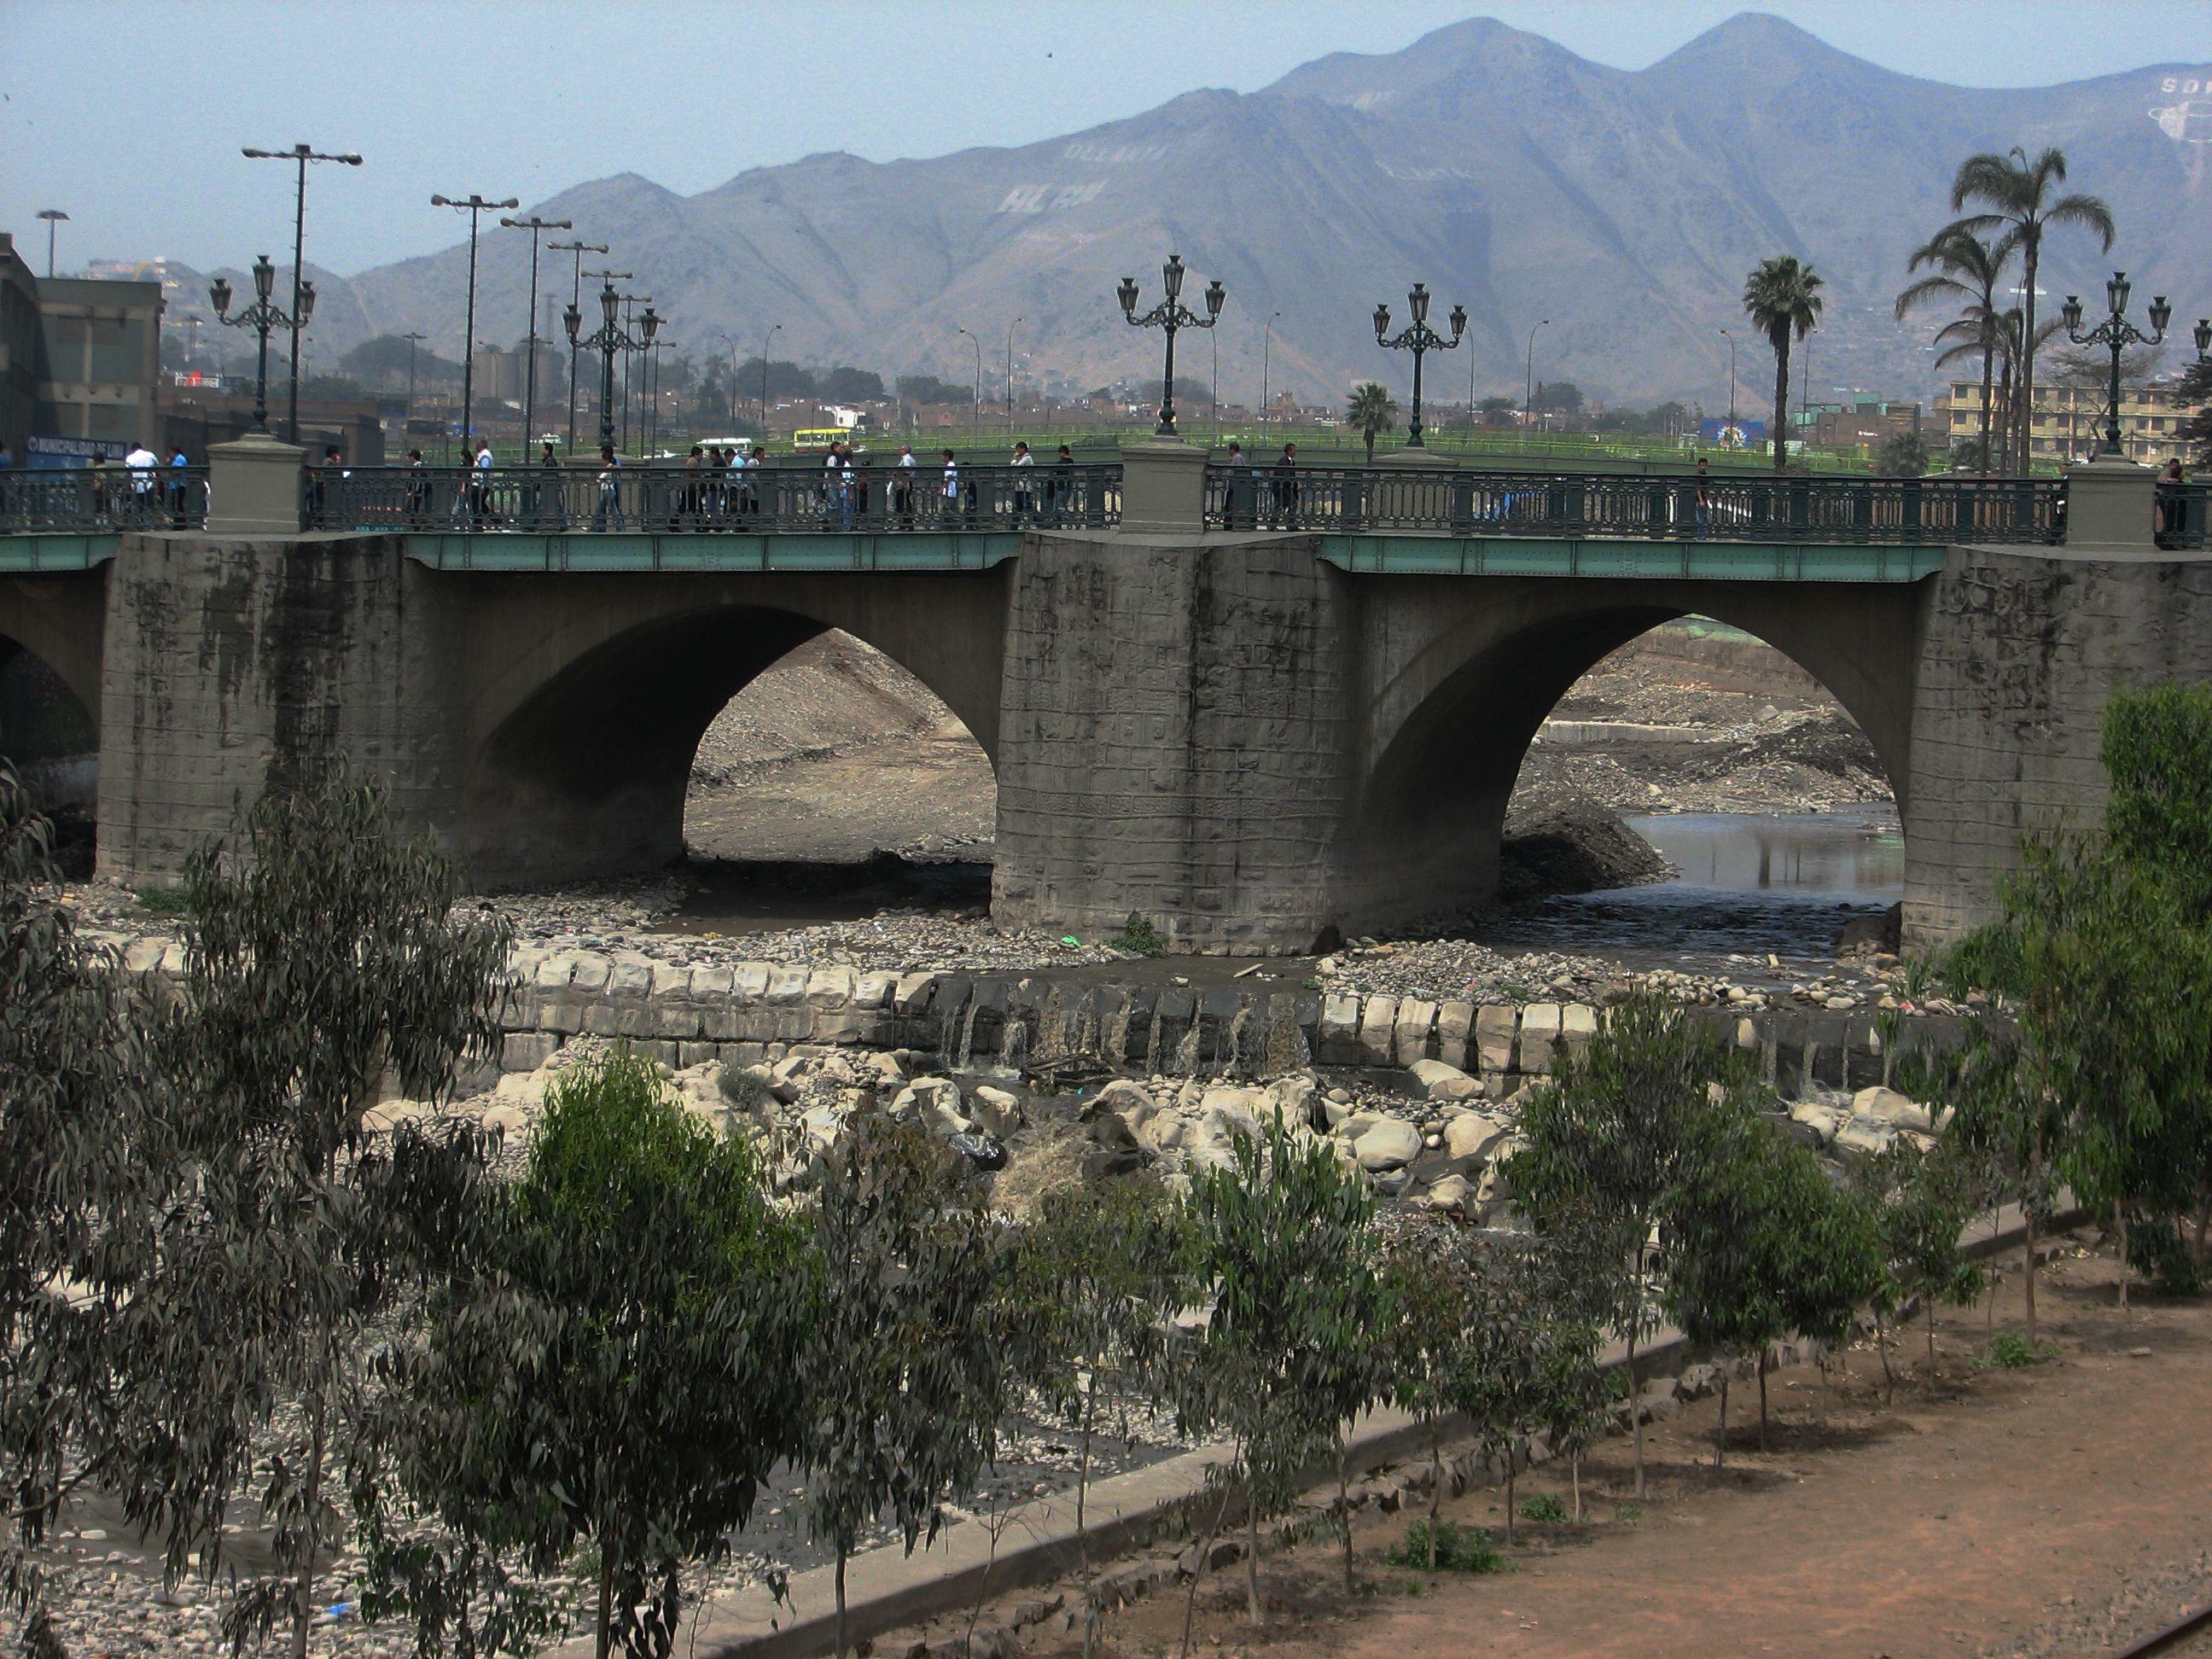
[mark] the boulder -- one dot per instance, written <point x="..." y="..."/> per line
<point x="1822" y="1121"/>
<point x="1387" y="1144"/>
<point x="1132" y="1100"/>
<point x="1452" y="1192"/>
<point x="1864" y="1137"/>
<point x="1235" y="1111"/>
<point x="1898" y="1111"/>
<point x="984" y="1152"/>
<point x="1440" y="1081"/>
<point x="1473" y="1135"/>
<point x="997" y="1111"/>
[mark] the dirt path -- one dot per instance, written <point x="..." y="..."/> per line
<point x="2035" y="1512"/>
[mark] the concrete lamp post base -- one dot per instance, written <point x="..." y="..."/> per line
<point x="254" y="486"/>
<point x="1163" y="485"/>
<point x="2108" y="508"/>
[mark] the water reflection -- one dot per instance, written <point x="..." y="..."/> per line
<point x="1750" y="883"/>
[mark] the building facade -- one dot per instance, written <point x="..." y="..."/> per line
<point x="79" y="359"/>
<point x="2068" y="421"/>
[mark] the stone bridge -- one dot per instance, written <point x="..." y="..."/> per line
<point x="1251" y="736"/>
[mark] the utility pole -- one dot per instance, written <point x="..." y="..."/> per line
<point x="413" y="340"/>
<point x="472" y="206"/>
<point x="301" y="154"/>
<point x="52" y="217"/>
<point x="1010" y="374"/>
<point x="765" y="338"/>
<point x="534" y="225"/>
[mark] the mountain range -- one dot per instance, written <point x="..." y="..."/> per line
<point x="1509" y="174"/>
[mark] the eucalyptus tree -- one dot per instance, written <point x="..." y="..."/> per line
<point x="1782" y="297"/>
<point x="1428" y="1283"/>
<point x="1531" y="1357"/>
<point x="322" y="958"/>
<point x="2017" y="195"/>
<point x="1372" y="412"/>
<point x="1963" y="268"/>
<point x="1724" y="1259"/>
<point x="75" y="1118"/>
<point x="1920" y="1203"/>
<point x="1284" y="1234"/>
<point x="612" y="1365"/>
<point x="905" y="1365"/>
<point x="1102" y="1270"/>
<point x="1611" y="1140"/>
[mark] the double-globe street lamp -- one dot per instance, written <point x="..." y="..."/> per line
<point x="575" y="298"/>
<point x="534" y="225"/>
<point x="2116" y="333"/>
<point x="1420" y="339"/>
<point x="610" y="339"/>
<point x="262" y="316"/>
<point x="472" y="205"/>
<point x="1169" y="315"/>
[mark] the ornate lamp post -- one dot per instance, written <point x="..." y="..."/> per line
<point x="261" y="316"/>
<point x="575" y="298"/>
<point x="1420" y="339"/>
<point x="300" y="155"/>
<point x="1168" y="316"/>
<point x="2203" y="336"/>
<point x="473" y="205"/>
<point x="610" y="339"/>
<point x="2117" y="333"/>
<point x="534" y="225"/>
<point x="765" y="340"/>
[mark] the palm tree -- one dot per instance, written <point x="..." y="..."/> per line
<point x="1781" y="297"/>
<point x="1966" y="268"/>
<point x="1373" y="411"/>
<point x="2016" y="192"/>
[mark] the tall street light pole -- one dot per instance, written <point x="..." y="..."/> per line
<point x="631" y="389"/>
<point x="610" y="339"/>
<point x="1420" y="339"/>
<point x="261" y="316"/>
<point x="976" y="408"/>
<point x="1732" y="431"/>
<point x="300" y="155"/>
<point x="732" y="345"/>
<point x="2117" y="333"/>
<point x="1169" y="316"/>
<point x="52" y="217"/>
<point x="472" y="205"/>
<point x="575" y="298"/>
<point x="534" y="226"/>
<point x="1528" y="384"/>
<point x="765" y="338"/>
<point x="1266" y="349"/>
<point x="413" y="340"/>
<point x="1009" y="373"/>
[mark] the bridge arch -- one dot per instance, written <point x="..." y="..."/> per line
<point x="588" y="697"/>
<point x="1458" y="702"/>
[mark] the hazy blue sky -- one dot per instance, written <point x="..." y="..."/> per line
<point x="129" y="114"/>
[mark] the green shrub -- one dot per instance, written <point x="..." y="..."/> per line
<point x="1459" y="1549"/>
<point x="1544" y="1506"/>
<point x="1139" y="938"/>
<point x="1628" y="1509"/>
<point x="2011" y="1352"/>
<point x="2156" y="1247"/>
<point x="162" y="900"/>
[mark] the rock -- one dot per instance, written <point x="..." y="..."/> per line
<point x="1440" y="1081"/>
<point x="1133" y="1100"/>
<point x="1113" y="1131"/>
<point x="1235" y="1111"/>
<point x="1899" y="1111"/>
<point x="1864" y="1137"/>
<point x="996" y="1111"/>
<point x="1473" y="1135"/>
<point x="1387" y="1144"/>
<point x="1452" y="1192"/>
<point x="1391" y="1184"/>
<point x="940" y="1093"/>
<point x="1822" y="1121"/>
<point x="1108" y="1162"/>
<point x="1296" y="1097"/>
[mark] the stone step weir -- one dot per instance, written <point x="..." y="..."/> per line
<point x="751" y="1012"/>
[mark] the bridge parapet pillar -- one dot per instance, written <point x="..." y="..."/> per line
<point x="256" y="487"/>
<point x="2108" y="508"/>
<point x="1164" y="486"/>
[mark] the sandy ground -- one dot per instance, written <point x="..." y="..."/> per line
<point x="2062" y="1509"/>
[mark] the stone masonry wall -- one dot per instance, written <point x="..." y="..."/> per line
<point x="2023" y="650"/>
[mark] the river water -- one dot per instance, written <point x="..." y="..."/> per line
<point x="1748" y="883"/>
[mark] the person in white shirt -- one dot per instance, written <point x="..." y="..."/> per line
<point x="480" y="490"/>
<point x="902" y="486"/>
<point x="1023" y="503"/>
<point x="141" y="461"/>
<point x="951" y="496"/>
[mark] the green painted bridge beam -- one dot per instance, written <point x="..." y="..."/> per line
<point x="912" y="550"/>
<point x="1649" y="561"/>
<point x="45" y="550"/>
